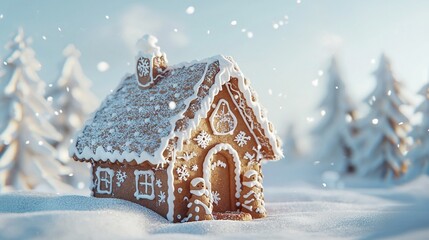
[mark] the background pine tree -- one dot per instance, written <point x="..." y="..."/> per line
<point x="290" y="145"/>
<point x="334" y="142"/>
<point x="27" y="159"/>
<point x="419" y="154"/>
<point x="384" y="129"/>
<point x="72" y="101"/>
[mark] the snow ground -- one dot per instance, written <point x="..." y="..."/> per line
<point x="294" y="213"/>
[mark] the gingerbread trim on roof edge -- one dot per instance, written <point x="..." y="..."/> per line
<point x="197" y="120"/>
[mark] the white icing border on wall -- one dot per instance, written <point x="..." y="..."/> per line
<point x="137" y="175"/>
<point x="170" y="184"/>
<point x="237" y="166"/>
<point x="214" y="113"/>
<point x="110" y="172"/>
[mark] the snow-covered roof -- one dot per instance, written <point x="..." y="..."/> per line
<point x="135" y="124"/>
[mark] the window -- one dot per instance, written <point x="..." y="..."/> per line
<point x="104" y="177"/>
<point x="144" y="184"/>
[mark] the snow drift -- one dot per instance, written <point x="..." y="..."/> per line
<point x="294" y="213"/>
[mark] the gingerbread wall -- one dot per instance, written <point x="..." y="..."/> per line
<point x="189" y="162"/>
<point x="123" y="184"/>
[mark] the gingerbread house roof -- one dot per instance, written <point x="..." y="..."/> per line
<point x="135" y="124"/>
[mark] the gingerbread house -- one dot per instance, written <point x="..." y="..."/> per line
<point x="165" y="126"/>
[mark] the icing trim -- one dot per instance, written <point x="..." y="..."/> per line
<point x="237" y="166"/>
<point x="250" y="173"/>
<point x="257" y="112"/>
<point x="197" y="180"/>
<point x="200" y="192"/>
<point x="146" y="174"/>
<point x="170" y="184"/>
<point x="110" y="172"/>
<point x="214" y="115"/>
<point x="251" y="184"/>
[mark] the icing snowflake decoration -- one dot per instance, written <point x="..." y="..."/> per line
<point x="222" y="120"/>
<point x="194" y="168"/>
<point x="241" y="139"/>
<point x="203" y="139"/>
<point x="161" y="198"/>
<point x="215" y="198"/>
<point x="120" y="176"/>
<point x="143" y="67"/>
<point x="182" y="173"/>
<point x="158" y="183"/>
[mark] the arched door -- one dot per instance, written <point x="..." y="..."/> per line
<point x="221" y="189"/>
<point x="222" y="174"/>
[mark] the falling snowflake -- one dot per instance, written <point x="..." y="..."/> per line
<point x="158" y="183"/>
<point x="120" y="176"/>
<point x="241" y="139"/>
<point x="194" y="168"/>
<point x="215" y="197"/>
<point x="143" y="67"/>
<point x="203" y="139"/>
<point x="161" y="198"/>
<point x="182" y="173"/>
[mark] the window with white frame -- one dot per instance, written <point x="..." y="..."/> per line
<point x="144" y="184"/>
<point x="104" y="180"/>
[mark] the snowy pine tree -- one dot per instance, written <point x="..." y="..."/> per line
<point x="384" y="129"/>
<point x="292" y="151"/>
<point x="71" y="100"/>
<point x="27" y="159"/>
<point x="419" y="154"/>
<point x="335" y="132"/>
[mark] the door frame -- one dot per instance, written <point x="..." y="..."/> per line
<point x="237" y="167"/>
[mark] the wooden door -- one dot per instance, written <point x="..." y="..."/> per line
<point x="222" y="182"/>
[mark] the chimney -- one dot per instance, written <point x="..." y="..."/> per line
<point x="150" y="61"/>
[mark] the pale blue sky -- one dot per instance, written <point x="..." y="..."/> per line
<point x="282" y="61"/>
